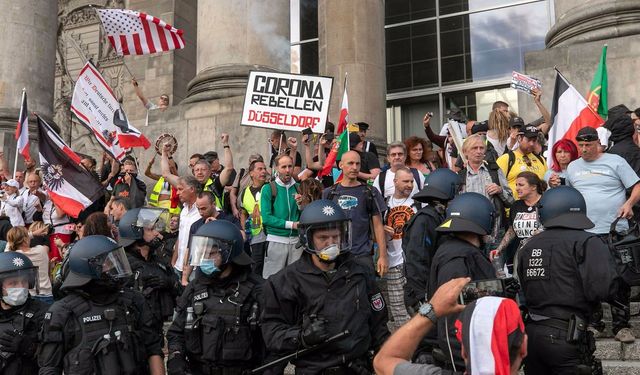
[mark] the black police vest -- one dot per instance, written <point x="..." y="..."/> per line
<point x="159" y="300"/>
<point x="10" y="363"/>
<point x="109" y="342"/>
<point x="221" y="333"/>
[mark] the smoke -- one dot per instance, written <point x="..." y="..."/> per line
<point x="265" y="17"/>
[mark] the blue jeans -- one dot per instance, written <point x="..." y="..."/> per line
<point x="46" y="299"/>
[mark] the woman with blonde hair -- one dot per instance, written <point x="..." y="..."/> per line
<point x="499" y="130"/>
<point x="18" y="239"/>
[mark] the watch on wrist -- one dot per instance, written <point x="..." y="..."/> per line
<point x="426" y="310"/>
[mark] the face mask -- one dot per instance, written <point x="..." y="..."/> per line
<point x="208" y="267"/>
<point x="329" y="253"/>
<point x="16" y="296"/>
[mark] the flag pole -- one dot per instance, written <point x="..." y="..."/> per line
<point x="109" y="43"/>
<point x="15" y="161"/>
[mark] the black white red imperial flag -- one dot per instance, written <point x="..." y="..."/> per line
<point x="69" y="185"/>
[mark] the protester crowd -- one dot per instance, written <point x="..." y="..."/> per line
<point x="251" y="260"/>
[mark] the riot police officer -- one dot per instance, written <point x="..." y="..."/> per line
<point x="216" y="328"/>
<point x="564" y="271"/>
<point x="99" y="327"/>
<point x="421" y="239"/>
<point x="469" y="218"/>
<point x="324" y="293"/>
<point x="20" y="315"/>
<point x="140" y="236"/>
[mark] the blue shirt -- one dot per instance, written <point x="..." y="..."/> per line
<point x="603" y="183"/>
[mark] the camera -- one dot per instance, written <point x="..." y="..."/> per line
<point x="307" y="131"/>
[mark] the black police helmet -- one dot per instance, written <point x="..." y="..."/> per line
<point x="96" y="258"/>
<point x="228" y="233"/>
<point x="564" y="207"/>
<point x="129" y="232"/>
<point x="131" y="225"/>
<point x="320" y="214"/>
<point x="13" y="263"/>
<point x="469" y="212"/>
<point x="441" y="184"/>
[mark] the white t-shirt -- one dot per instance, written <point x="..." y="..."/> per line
<point x="12" y="207"/>
<point x="50" y="216"/>
<point x="389" y="187"/>
<point x="188" y="216"/>
<point x="399" y="213"/>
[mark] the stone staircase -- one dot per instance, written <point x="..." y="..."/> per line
<point x="618" y="358"/>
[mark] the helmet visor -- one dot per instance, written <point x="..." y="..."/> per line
<point x="337" y="233"/>
<point x="152" y="218"/>
<point x="113" y="265"/>
<point x="24" y="278"/>
<point x="209" y="248"/>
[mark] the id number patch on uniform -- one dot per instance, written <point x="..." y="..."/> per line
<point x="377" y="302"/>
<point x="536" y="265"/>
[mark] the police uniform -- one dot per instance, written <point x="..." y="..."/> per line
<point x="456" y="258"/>
<point x="98" y="328"/>
<point x="21" y="321"/>
<point x="215" y="330"/>
<point x="564" y="271"/>
<point x="79" y="338"/>
<point x="222" y="335"/>
<point x="347" y="298"/>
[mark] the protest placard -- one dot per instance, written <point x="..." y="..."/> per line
<point x="524" y="82"/>
<point x="287" y="101"/>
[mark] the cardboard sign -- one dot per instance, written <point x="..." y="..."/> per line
<point x="287" y="101"/>
<point x="524" y="83"/>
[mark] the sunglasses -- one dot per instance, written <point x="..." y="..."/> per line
<point x="587" y="138"/>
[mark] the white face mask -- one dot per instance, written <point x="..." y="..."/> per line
<point x="329" y="253"/>
<point x="16" y="296"/>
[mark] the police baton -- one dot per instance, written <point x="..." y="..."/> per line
<point x="300" y="353"/>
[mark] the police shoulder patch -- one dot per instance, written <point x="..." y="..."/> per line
<point x="377" y="302"/>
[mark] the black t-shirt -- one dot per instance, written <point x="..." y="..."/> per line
<point x="327" y="181"/>
<point x="368" y="161"/>
<point x="524" y="219"/>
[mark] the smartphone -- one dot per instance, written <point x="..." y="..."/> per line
<point x="307" y="131"/>
<point x="563" y="181"/>
<point x="481" y="288"/>
<point x="328" y="137"/>
<point x="430" y="114"/>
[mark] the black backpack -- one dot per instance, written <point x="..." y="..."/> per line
<point x="383" y="175"/>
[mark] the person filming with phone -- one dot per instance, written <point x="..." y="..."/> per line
<point x="490" y="330"/>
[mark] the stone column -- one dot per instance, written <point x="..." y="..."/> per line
<point x="27" y="59"/>
<point x="580" y="21"/>
<point x="351" y="40"/>
<point x="234" y="37"/>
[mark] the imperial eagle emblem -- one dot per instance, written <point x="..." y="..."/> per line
<point x="52" y="176"/>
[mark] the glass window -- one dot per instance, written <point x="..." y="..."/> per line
<point x="491" y="44"/>
<point x="476" y="105"/>
<point x="308" y="19"/>
<point x="455" y="6"/>
<point x="415" y="48"/>
<point x="397" y="11"/>
<point x="309" y="58"/>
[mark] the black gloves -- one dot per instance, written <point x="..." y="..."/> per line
<point x="176" y="365"/>
<point x="314" y="331"/>
<point x="155" y="282"/>
<point x="15" y="342"/>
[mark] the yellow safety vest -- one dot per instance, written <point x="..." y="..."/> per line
<point x="168" y="204"/>
<point x="219" y="200"/>
<point x="249" y="203"/>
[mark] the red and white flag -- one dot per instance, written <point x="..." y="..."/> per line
<point x="570" y="112"/>
<point x="344" y="111"/>
<point x="22" y="131"/>
<point x="341" y="142"/>
<point x="137" y="33"/>
<point x="69" y="185"/>
<point x="97" y="108"/>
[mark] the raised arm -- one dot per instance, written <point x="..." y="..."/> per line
<point x="227" y="173"/>
<point x="148" y="171"/>
<point x="139" y="93"/>
<point x="166" y="169"/>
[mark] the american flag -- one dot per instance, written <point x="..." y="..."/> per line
<point x="137" y="33"/>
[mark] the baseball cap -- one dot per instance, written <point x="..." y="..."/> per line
<point x="480" y="127"/>
<point x="12" y="183"/>
<point x="529" y="131"/>
<point x="362" y="126"/>
<point x="516" y="122"/>
<point x="587" y="134"/>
